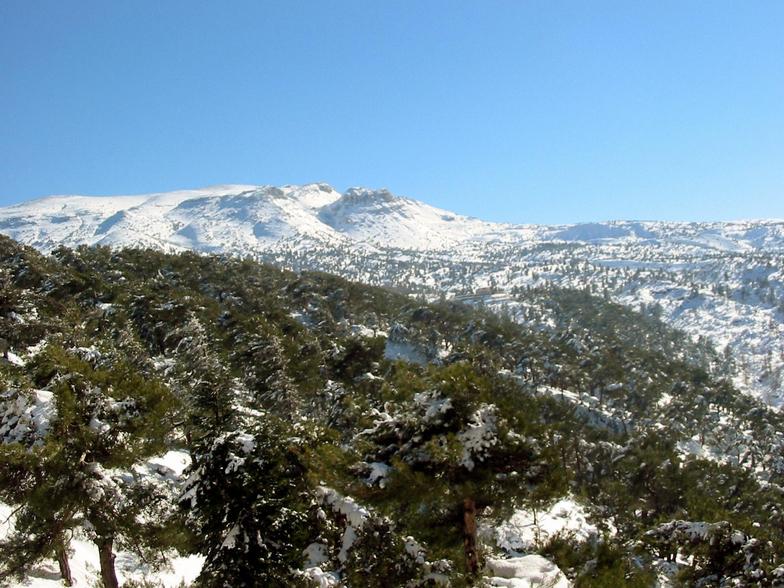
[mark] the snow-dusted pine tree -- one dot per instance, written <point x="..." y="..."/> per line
<point x="67" y="454"/>
<point x="248" y="502"/>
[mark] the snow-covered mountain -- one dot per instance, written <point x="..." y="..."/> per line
<point x="720" y="280"/>
<point x="239" y="218"/>
<point x="248" y="219"/>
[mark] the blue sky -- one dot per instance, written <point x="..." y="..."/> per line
<point x="524" y="111"/>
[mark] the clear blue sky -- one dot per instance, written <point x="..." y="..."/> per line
<point x="525" y="111"/>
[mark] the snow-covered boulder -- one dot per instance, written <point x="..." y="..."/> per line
<point x="528" y="571"/>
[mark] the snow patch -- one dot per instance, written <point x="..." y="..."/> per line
<point x="529" y="529"/>
<point x="26" y="417"/>
<point x="528" y="571"/>
<point x="478" y="436"/>
<point x="394" y="350"/>
<point x="378" y="473"/>
<point x="14" y="359"/>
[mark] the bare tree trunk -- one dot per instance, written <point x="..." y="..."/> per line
<point x="106" y="556"/>
<point x="61" y="552"/>
<point x="469" y="536"/>
<point x="537" y="531"/>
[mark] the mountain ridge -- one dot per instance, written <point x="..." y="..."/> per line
<point x="360" y="213"/>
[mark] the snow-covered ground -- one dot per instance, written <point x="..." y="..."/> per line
<point x="86" y="568"/>
<point x="528" y="571"/>
<point x="529" y="529"/>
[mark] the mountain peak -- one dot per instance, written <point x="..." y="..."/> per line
<point x="358" y="194"/>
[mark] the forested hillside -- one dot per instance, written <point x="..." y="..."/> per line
<point x="335" y="434"/>
<point x="719" y="281"/>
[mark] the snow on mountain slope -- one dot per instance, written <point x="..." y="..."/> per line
<point x="721" y="280"/>
<point x="245" y="218"/>
<point x="379" y="217"/>
<point x="236" y="218"/>
<point x="230" y="218"/>
<point x="734" y="236"/>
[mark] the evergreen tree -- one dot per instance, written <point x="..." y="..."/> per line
<point x="267" y="374"/>
<point x="204" y="383"/>
<point x="248" y="502"/>
<point x="456" y="453"/>
<point x="72" y="464"/>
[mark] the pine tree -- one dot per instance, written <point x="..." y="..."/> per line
<point x="267" y="373"/>
<point x="58" y="468"/>
<point x="455" y="455"/>
<point x="248" y="501"/>
<point x="204" y="384"/>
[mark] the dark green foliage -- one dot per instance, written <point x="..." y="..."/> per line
<point x="105" y="418"/>
<point x="249" y="505"/>
<point x="356" y="356"/>
<point x="586" y="397"/>
<point x="378" y="559"/>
